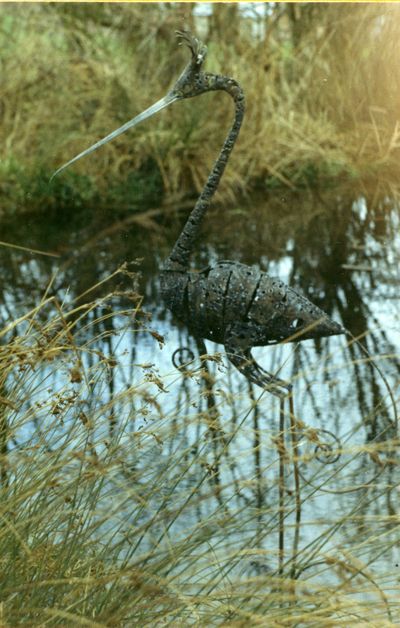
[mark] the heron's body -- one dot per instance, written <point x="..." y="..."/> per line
<point x="242" y="307"/>
<point x="234" y="300"/>
<point x="230" y="303"/>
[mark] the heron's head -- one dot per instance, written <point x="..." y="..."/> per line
<point x="192" y="82"/>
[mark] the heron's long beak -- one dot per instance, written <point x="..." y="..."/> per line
<point x="158" y="106"/>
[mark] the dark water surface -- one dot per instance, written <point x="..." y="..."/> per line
<point x="342" y="252"/>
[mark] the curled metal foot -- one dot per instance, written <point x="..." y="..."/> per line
<point x="329" y="448"/>
<point x="181" y="358"/>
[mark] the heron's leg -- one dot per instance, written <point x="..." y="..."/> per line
<point x="246" y="364"/>
<point x="212" y="416"/>
<point x="208" y="383"/>
<point x="201" y="346"/>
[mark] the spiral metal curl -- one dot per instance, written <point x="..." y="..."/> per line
<point x="181" y="358"/>
<point x="328" y="452"/>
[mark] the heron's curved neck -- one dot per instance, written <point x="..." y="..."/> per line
<point x="183" y="247"/>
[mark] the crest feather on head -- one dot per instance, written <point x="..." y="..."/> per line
<point x="196" y="47"/>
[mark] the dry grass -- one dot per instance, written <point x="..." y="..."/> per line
<point x="118" y="511"/>
<point x="321" y="85"/>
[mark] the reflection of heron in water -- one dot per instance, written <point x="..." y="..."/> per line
<point x="229" y="303"/>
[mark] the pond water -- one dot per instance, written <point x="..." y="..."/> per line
<point x="339" y="249"/>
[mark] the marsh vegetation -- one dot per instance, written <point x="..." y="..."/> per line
<point x="321" y="82"/>
<point x="134" y="493"/>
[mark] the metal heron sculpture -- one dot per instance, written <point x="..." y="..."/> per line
<point x="229" y="303"/>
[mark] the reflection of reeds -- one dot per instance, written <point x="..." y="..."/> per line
<point x="110" y="510"/>
<point x="322" y="88"/>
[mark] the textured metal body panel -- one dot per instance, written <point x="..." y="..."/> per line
<point x="234" y="301"/>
